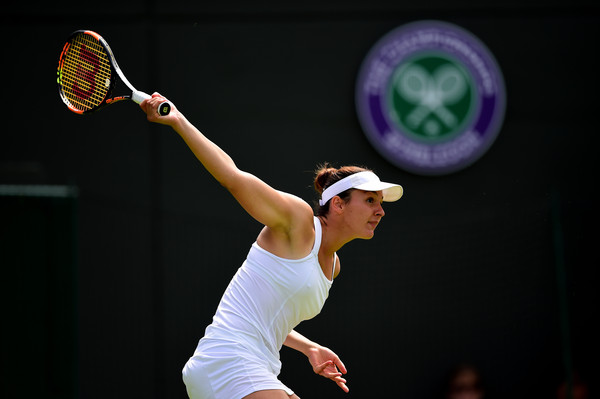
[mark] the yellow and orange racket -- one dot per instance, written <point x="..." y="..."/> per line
<point x="87" y="74"/>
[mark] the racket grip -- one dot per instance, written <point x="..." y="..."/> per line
<point x="139" y="96"/>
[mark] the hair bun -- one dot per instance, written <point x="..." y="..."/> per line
<point x="322" y="175"/>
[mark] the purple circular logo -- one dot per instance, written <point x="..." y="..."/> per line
<point x="430" y="97"/>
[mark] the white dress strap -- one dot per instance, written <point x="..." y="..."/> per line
<point x="317" y="245"/>
<point x="318" y="236"/>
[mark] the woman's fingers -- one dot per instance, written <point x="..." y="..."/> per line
<point x="329" y="370"/>
<point x="320" y="368"/>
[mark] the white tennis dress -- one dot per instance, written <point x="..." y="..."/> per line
<point x="265" y="300"/>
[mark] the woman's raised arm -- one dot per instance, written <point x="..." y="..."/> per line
<point x="273" y="208"/>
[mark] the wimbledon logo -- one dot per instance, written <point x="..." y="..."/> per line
<point x="430" y="98"/>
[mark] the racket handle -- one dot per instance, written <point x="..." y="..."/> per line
<point x="139" y="96"/>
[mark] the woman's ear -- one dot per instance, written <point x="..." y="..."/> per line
<point x="337" y="205"/>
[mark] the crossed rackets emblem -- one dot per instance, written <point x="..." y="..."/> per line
<point x="430" y="93"/>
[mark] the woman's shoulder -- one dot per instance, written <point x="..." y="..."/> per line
<point x="300" y="210"/>
<point x="294" y="240"/>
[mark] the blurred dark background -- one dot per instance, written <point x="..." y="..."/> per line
<point x="116" y="245"/>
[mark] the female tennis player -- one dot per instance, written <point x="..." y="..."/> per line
<point x="286" y="276"/>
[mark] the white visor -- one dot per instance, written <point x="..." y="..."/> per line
<point x="366" y="181"/>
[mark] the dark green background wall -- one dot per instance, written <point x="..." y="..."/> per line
<point x="495" y="264"/>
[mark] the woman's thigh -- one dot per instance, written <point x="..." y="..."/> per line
<point x="271" y="394"/>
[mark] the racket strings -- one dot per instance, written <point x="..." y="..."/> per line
<point x="85" y="72"/>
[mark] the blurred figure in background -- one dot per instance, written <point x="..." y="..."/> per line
<point x="464" y="382"/>
<point x="576" y="389"/>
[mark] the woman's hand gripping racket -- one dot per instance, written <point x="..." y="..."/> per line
<point x="87" y="74"/>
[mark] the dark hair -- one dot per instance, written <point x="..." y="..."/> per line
<point x="325" y="176"/>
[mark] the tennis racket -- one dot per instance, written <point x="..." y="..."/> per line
<point x="88" y="73"/>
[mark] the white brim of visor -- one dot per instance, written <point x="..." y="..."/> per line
<point x="366" y="181"/>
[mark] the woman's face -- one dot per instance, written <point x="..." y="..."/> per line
<point x="364" y="212"/>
